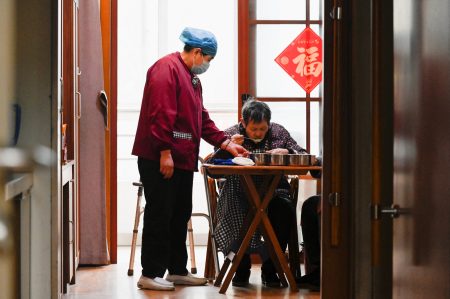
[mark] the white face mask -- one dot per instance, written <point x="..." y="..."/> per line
<point x="200" y="69"/>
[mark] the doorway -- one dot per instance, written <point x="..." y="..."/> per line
<point x="150" y="29"/>
<point x="153" y="27"/>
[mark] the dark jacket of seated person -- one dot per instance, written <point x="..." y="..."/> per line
<point x="232" y="205"/>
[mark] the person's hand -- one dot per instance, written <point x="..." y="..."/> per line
<point x="235" y="149"/>
<point x="318" y="161"/>
<point x="238" y="139"/>
<point x="282" y="151"/>
<point x="166" y="164"/>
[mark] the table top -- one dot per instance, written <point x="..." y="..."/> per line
<point x="258" y="170"/>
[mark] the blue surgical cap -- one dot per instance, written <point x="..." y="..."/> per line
<point x="199" y="38"/>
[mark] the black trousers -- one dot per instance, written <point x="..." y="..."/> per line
<point x="281" y="213"/>
<point x="310" y="222"/>
<point x="167" y="211"/>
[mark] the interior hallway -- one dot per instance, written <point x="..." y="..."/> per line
<point x="113" y="282"/>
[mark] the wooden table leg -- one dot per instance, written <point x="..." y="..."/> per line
<point x="222" y="272"/>
<point x="259" y="208"/>
<point x="277" y="255"/>
<point x="274" y="256"/>
<point x="229" y="258"/>
<point x="267" y="229"/>
<point x="242" y="249"/>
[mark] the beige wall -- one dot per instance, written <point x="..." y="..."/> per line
<point x="7" y="47"/>
<point x="7" y="55"/>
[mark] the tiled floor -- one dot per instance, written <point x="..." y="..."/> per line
<point x="113" y="282"/>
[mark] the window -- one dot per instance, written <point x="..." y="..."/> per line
<point x="265" y="29"/>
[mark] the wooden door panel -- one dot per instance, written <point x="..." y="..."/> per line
<point x="106" y="50"/>
<point x="93" y="241"/>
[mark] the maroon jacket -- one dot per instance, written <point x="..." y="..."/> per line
<point x="172" y="115"/>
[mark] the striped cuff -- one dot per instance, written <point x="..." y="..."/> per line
<point x="182" y="135"/>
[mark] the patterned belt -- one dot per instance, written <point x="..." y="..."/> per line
<point x="182" y="135"/>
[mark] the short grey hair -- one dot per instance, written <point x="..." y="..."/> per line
<point x="256" y="111"/>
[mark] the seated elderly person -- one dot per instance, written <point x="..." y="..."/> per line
<point x="256" y="133"/>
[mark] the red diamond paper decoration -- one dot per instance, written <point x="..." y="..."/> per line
<point x="302" y="59"/>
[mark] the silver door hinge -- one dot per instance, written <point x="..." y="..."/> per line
<point x="334" y="199"/>
<point x="336" y="13"/>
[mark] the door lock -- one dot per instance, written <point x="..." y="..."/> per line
<point x="393" y="211"/>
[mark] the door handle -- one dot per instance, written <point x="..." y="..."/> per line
<point x="78" y="104"/>
<point x="378" y="211"/>
<point x="105" y="109"/>
<point x="393" y="211"/>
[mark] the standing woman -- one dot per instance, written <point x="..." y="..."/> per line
<point x="171" y="123"/>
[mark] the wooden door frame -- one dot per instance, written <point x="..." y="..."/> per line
<point x="113" y="128"/>
<point x="382" y="147"/>
<point x="108" y="12"/>
<point x="246" y="75"/>
<point x="337" y="151"/>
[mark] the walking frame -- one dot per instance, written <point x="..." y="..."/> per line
<point x="211" y="270"/>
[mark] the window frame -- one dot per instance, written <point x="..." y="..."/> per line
<point x="247" y="23"/>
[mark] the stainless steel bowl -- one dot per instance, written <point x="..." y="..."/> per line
<point x="260" y="158"/>
<point x="294" y="159"/>
<point x="278" y="159"/>
<point x="301" y="159"/>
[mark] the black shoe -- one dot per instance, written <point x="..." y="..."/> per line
<point x="310" y="281"/>
<point x="242" y="274"/>
<point x="269" y="275"/>
<point x="240" y="278"/>
<point x="270" y="279"/>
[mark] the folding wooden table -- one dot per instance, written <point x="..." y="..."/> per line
<point x="257" y="216"/>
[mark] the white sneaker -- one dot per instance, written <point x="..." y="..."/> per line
<point x="157" y="283"/>
<point x="187" y="279"/>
